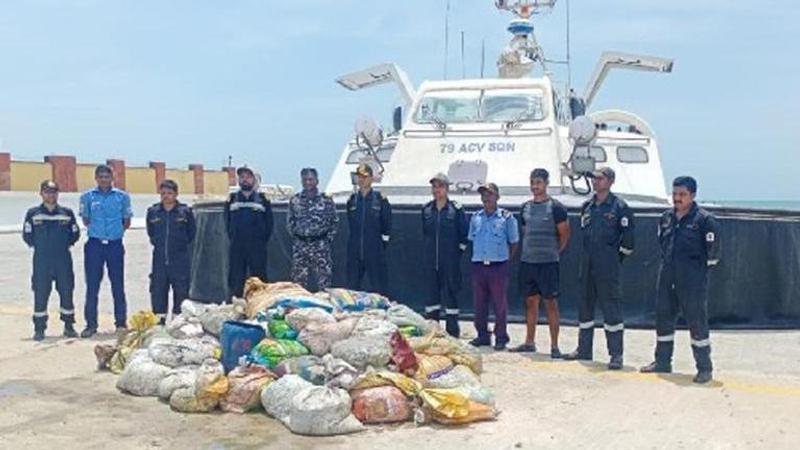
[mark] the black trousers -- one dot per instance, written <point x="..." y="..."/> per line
<point x="247" y="259"/>
<point x="689" y="296"/>
<point x="601" y="286"/>
<point x="162" y="278"/>
<point x="375" y="270"/>
<point x="48" y="269"/>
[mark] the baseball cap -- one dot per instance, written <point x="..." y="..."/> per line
<point x="365" y="170"/>
<point x="440" y="177"/>
<point x="48" y="185"/>
<point x="489" y="187"/>
<point x="607" y="172"/>
<point x="244" y="169"/>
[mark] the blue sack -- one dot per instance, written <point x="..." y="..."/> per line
<point x="238" y="339"/>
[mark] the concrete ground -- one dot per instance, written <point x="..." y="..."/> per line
<point x="52" y="396"/>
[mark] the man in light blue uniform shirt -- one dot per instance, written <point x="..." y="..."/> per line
<point x="494" y="233"/>
<point x="106" y="212"/>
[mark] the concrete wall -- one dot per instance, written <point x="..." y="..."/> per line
<point x="216" y="183"/>
<point x="85" y="176"/>
<point x="184" y="178"/>
<point x="72" y="176"/>
<point x="27" y="176"/>
<point x="141" y="180"/>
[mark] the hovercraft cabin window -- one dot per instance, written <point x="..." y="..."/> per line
<point x="384" y="155"/>
<point x="632" y="155"/>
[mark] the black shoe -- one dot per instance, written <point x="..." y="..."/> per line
<point x="655" y="367"/>
<point x="702" y="377"/>
<point x="555" y="353"/>
<point x="88" y="332"/>
<point x="499" y="346"/>
<point x="615" y="363"/>
<point x="576" y="356"/>
<point x="479" y="343"/>
<point x="523" y="348"/>
<point x="38" y="335"/>
<point x="453" y="329"/>
<point x="69" y="331"/>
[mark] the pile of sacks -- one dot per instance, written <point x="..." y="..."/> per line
<point x="322" y="364"/>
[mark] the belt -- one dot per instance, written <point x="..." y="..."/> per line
<point x="310" y="238"/>
<point x="489" y="263"/>
<point x="105" y="241"/>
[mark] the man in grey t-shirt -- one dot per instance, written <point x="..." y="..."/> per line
<point x="545" y="235"/>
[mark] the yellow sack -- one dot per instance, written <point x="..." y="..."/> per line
<point x="143" y="321"/>
<point x="448" y="403"/>
<point x="439" y="343"/>
<point x="260" y="296"/>
<point x="432" y="366"/>
<point x="371" y="379"/>
<point x="477" y="412"/>
<point x="214" y="392"/>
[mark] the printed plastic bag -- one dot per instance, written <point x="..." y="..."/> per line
<point x="384" y="404"/>
<point x="276" y="398"/>
<point x="322" y="411"/>
<point x="432" y="366"/>
<point x="246" y="383"/>
<point x="460" y="376"/>
<point x="348" y="300"/>
<point x="270" y="352"/>
<point x="261" y="296"/>
<point x="363" y="351"/>
<point x="280" y="329"/>
<point x="319" y="336"/>
<point x="238" y="339"/>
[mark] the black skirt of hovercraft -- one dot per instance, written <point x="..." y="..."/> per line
<point x="756" y="285"/>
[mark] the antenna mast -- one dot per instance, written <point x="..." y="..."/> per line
<point x="523" y="52"/>
<point x="446" y="37"/>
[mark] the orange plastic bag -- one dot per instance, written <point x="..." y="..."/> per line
<point x="384" y="404"/>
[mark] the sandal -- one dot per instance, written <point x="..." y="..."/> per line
<point x="524" y="348"/>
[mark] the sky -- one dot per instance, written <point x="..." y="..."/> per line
<point x="197" y="81"/>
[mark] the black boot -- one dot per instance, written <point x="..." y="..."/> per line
<point x="702" y="377"/>
<point x="655" y="367"/>
<point x="615" y="363"/>
<point x="451" y="325"/>
<point x="69" y="331"/>
<point x="38" y="335"/>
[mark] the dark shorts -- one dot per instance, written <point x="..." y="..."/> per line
<point x="539" y="279"/>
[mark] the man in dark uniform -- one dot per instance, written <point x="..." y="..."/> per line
<point x="689" y="247"/>
<point x="50" y="229"/>
<point x="249" y="222"/>
<point x="445" y="228"/>
<point x="369" y="216"/>
<point x="171" y="229"/>
<point x="607" y="226"/>
<point x="312" y="221"/>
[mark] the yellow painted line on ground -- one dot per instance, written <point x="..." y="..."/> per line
<point x="598" y="369"/>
